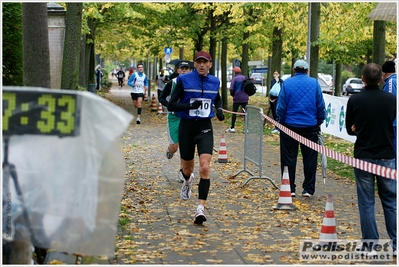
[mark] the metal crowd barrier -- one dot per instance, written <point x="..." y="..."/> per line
<point x="253" y="143"/>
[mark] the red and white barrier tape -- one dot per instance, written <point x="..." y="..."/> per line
<point x="357" y="163"/>
<point x="232" y="112"/>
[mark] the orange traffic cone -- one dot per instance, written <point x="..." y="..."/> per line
<point x="153" y="103"/>
<point x="328" y="229"/>
<point x="222" y="151"/>
<point x="160" y="109"/>
<point x="285" y="199"/>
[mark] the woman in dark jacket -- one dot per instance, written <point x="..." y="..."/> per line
<point x="274" y="97"/>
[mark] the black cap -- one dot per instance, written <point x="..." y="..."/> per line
<point x="388" y="67"/>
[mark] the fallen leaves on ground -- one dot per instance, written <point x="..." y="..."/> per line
<point x="242" y="226"/>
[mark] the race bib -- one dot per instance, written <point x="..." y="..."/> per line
<point x="204" y="110"/>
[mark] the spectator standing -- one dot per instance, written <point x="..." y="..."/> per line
<point x="121" y="77"/>
<point x="139" y="83"/>
<point x="240" y="97"/>
<point x="273" y="95"/>
<point x="300" y="108"/>
<point x="369" y="116"/>
<point x="99" y="76"/>
<point x="160" y="81"/>
<point x="192" y="100"/>
<point x="173" y="121"/>
<point x="390" y="80"/>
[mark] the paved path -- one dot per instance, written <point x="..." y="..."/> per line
<point x="156" y="227"/>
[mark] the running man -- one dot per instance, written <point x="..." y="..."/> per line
<point x="192" y="100"/>
<point x="121" y="77"/>
<point x="173" y="121"/>
<point x="139" y="83"/>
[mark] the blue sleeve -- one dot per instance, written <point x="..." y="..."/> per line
<point x="146" y="81"/>
<point x="321" y="107"/>
<point x="131" y="79"/>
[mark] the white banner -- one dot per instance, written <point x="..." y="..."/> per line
<point x="335" y="121"/>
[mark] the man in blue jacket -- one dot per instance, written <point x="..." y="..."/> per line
<point x="390" y="80"/>
<point x="300" y="108"/>
<point x="192" y="101"/>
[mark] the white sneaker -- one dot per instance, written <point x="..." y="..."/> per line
<point x="180" y="177"/>
<point x="361" y="250"/>
<point x="138" y="120"/>
<point x="275" y="131"/>
<point x="230" y="130"/>
<point x="185" y="192"/>
<point x="199" y="217"/>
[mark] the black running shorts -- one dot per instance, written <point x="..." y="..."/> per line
<point x="192" y="133"/>
<point x="135" y="96"/>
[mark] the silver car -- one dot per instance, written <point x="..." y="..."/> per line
<point x="352" y="86"/>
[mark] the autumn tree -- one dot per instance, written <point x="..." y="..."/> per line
<point x="36" y="61"/>
<point x="71" y="55"/>
<point x="313" y="61"/>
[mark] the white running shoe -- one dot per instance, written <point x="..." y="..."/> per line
<point x="275" y="131"/>
<point x="180" y="177"/>
<point x="199" y="217"/>
<point x="185" y="192"/>
<point x="138" y="120"/>
<point x="230" y="130"/>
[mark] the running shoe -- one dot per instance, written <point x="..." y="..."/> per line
<point x="180" y="177"/>
<point x="169" y="154"/>
<point x="185" y="192"/>
<point x="138" y="121"/>
<point x="275" y="131"/>
<point x="306" y="194"/>
<point x="293" y="194"/>
<point x="230" y="130"/>
<point x="199" y="217"/>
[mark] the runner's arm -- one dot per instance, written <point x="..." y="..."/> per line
<point x="166" y="91"/>
<point x="130" y="82"/>
<point x="176" y="95"/>
<point x="218" y="102"/>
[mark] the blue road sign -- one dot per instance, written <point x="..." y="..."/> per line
<point x="168" y="50"/>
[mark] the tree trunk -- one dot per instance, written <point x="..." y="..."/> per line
<point x="314" y="36"/>
<point x="379" y="42"/>
<point x="212" y="41"/>
<point x="70" y="61"/>
<point x="277" y="49"/>
<point x="244" y="55"/>
<point x="35" y="42"/>
<point x="223" y="64"/>
<point x="338" y="78"/>
<point x="82" y="62"/>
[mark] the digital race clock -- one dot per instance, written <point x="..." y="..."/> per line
<point x="43" y="112"/>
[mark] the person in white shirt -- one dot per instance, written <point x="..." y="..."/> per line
<point x="139" y="83"/>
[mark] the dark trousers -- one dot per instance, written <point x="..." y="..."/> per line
<point x="289" y="153"/>
<point x="235" y="109"/>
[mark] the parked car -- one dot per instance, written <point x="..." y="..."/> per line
<point x="352" y="86"/>
<point x="258" y="78"/>
<point x="326" y="82"/>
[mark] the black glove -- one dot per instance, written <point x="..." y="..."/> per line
<point x="219" y="114"/>
<point x="196" y="104"/>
